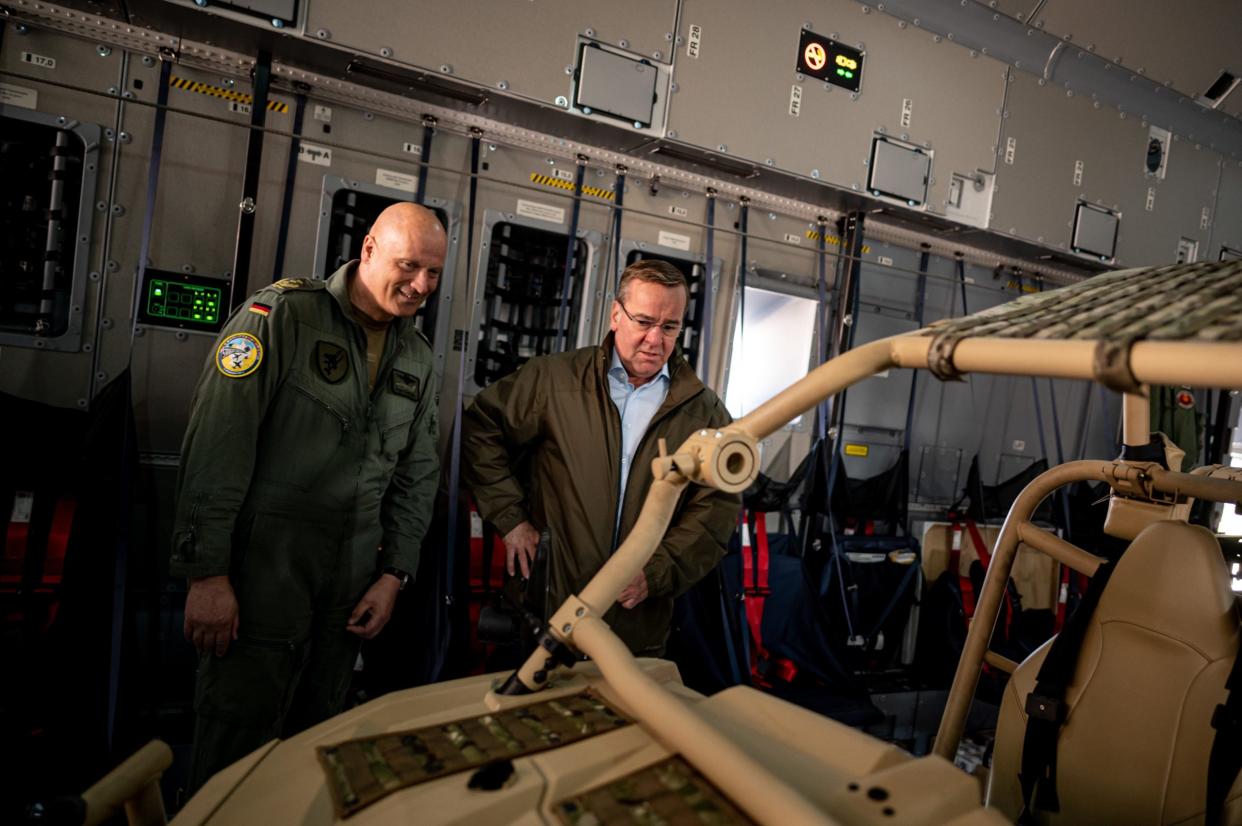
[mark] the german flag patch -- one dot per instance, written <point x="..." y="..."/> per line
<point x="260" y="309"/>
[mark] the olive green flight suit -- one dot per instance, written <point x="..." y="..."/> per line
<point x="302" y="485"/>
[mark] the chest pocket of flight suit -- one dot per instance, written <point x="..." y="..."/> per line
<point x="312" y="421"/>
<point x="398" y="403"/>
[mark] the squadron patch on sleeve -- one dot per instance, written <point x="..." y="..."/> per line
<point x="239" y="355"/>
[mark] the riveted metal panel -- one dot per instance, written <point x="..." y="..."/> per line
<point x="63" y="379"/>
<point x="365" y="148"/>
<point x="204" y="157"/>
<point x="166" y="366"/>
<point x="1017" y="9"/>
<point x="1182" y="206"/>
<point x="741" y="97"/>
<point x="516" y="48"/>
<point x="1227" y="223"/>
<point x="1167" y="43"/>
<point x="1047" y="135"/>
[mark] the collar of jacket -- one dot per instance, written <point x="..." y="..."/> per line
<point x="683" y="384"/>
<point x="338" y="288"/>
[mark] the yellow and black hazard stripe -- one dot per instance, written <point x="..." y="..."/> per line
<point x="832" y="240"/>
<point x="222" y="93"/>
<point x="568" y="186"/>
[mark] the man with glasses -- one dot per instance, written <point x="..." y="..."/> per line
<point x="563" y="447"/>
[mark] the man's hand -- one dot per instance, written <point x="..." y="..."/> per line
<point x="521" y="542"/>
<point x="374" y="610"/>
<point x="635" y="592"/>
<point x="211" y="614"/>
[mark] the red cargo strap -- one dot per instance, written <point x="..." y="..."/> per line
<point x="966" y="587"/>
<point x="487" y="566"/>
<point x="985" y="559"/>
<point x="58" y="542"/>
<point x="755" y="582"/>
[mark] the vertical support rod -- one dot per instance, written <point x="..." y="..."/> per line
<point x="1136" y="418"/>
<point x="291" y="176"/>
<point x="239" y="286"/>
<point x="454" y="480"/>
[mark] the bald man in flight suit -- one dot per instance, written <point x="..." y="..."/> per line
<point x="308" y="473"/>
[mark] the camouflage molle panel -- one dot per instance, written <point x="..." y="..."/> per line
<point x="670" y="792"/>
<point x="362" y="771"/>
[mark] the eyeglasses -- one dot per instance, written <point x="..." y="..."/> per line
<point x="669" y="329"/>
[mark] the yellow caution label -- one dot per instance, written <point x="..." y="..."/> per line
<point x="832" y="240"/>
<point x="856" y="450"/>
<point x="188" y="85"/>
<point x="568" y="186"/>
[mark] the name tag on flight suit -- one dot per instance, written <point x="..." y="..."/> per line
<point x="404" y="384"/>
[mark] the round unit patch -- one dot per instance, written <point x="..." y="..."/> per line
<point x="239" y="355"/>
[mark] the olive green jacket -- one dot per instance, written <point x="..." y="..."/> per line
<point x="293" y="432"/>
<point x="543" y="445"/>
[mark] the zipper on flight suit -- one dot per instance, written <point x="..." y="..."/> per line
<point x="345" y="423"/>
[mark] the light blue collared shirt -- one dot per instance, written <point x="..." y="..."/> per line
<point x="637" y="406"/>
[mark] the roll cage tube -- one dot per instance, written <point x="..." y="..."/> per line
<point x="727" y="458"/>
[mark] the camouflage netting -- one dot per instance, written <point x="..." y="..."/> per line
<point x="1200" y="302"/>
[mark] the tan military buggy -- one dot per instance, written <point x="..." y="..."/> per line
<point x="621" y="740"/>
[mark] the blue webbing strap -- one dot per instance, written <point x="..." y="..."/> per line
<point x="851" y="250"/>
<point x="961" y="278"/>
<point x="920" y="301"/>
<point x="705" y="322"/>
<point x="291" y="177"/>
<point x="121" y="564"/>
<point x="618" y="210"/>
<point x="743" y="219"/>
<point x="571" y="244"/>
<point x="424" y="162"/>
<point x="822" y="316"/>
<point x="153" y="182"/>
<point x="455" y="447"/>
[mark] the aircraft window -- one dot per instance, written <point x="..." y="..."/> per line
<point x="771" y="348"/>
<point x="1230" y="518"/>
<point x="522" y="298"/>
<point x="353" y="212"/>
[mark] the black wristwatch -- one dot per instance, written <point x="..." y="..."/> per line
<point x="401" y="576"/>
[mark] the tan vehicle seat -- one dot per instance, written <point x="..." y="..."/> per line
<point x="1134" y="747"/>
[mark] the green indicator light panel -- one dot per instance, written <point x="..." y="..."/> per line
<point x="183" y="301"/>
